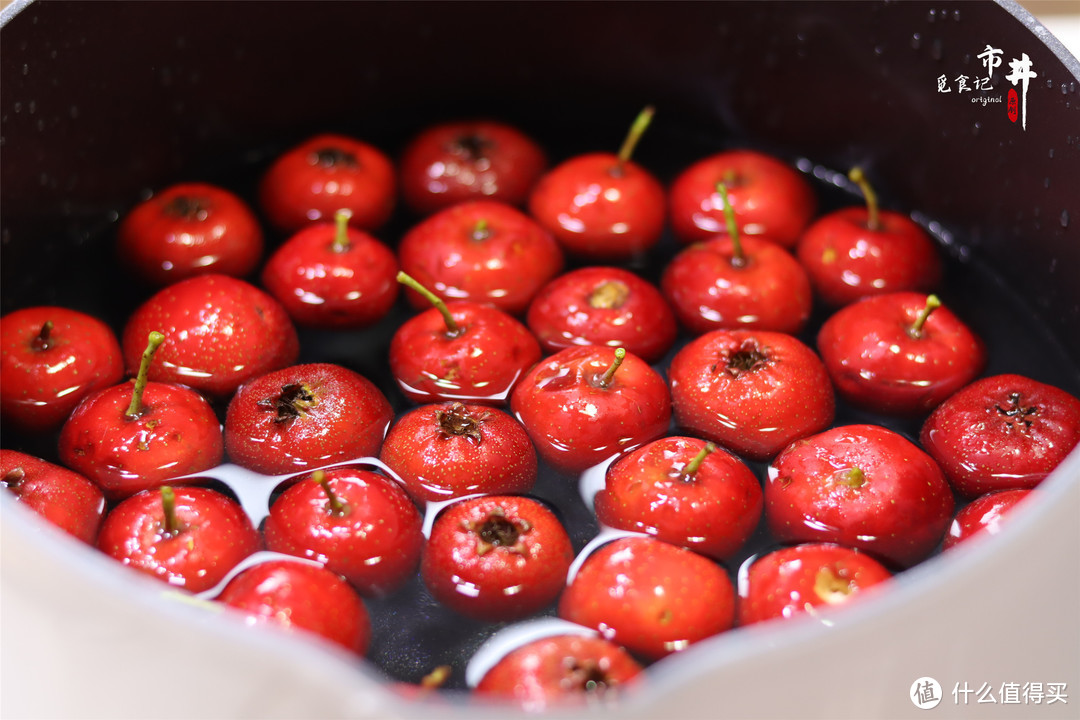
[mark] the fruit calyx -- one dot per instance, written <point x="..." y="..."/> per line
<point x="873" y="215"/>
<point x="42" y="341"/>
<point x="458" y="421"/>
<point x="13" y="478"/>
<point x="453" y="330"/>
<point x="341" y="231"/>
<point x="294" y="401"/>
<point x="334" y="505"/>
<point x="747" y="358"/>
<point x="610" y="295"/>
<point x="170" y="524"/>
<point x="690" y="469"/>
<point x="916" y="330"/>
<point x="831" y="586"/>
<point x="472" y="146"/>
<point x="852" y="477"/>
<point x="738" y="258"/>
<point x="587" y="676"/>
<point x="497" y="530"/>
<point x="187" y="207"/>
<point x="1017" y="416"/>
<point x="136" y="408"/>
<point x="637" y="129"/>
<point x="604" y="381"/>
<point x="330" y="157"/>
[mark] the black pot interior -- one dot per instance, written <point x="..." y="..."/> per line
<point x="104" y="103"/>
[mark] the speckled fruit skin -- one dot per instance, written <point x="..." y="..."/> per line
<point x="323" y="287"/>
<point x="752" y="391"/>
<point x="707" y="291"/>
<point x="983" y="516"/>
<point x="324" y="174"/>
<point x="649" y="596"/>
<point x="480" y="363"/>
<point x="897" y="510"/>
<point x="189" y="229"/>
<point x="462" y="160"/>
<point x="298" y="596"/>
<point x="176" y="434"/>
<point x="66" y="499"/>
<point x="476" y="565"/>
<point x="574" y="422"/>
<point x="1002" y="432"/>
<point x="375" y="543"/>
<point x="847" y="261"/>
<point x="805" y="579"/>
<point x="305" y="416"/>
<point x="603" y="306"/>
<point x="877" y="365"/>
<point x="769" y="197"/>
<point x="452" y="449"/>
<point x="599" y="209"/>
<point x="713" y="511"/>
<point x="480" y="251"/>
<point x="41" y="383"/>
<point x="561" y="670"/>
<point x="219" y="332"/>
<point x="215" y="535"/>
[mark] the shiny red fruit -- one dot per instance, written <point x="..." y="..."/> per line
<point x="462" y="160"/>
<point x="324" y="174"/>
<point x="481" y="251"/>
<point x="752" y="391"/>
<point x="984" y="516"/>
<point x="219" y="332"/>
<point x="600" y="207"/>
<point x="66" y="499"/>
<point x="190" y="229"/>
<point x="479" y="360"/>
<point x="764" y="287"/>
<point x="175" y="433"/>
<point x="50" y="359"/>
<point x="298" y="596"/>
<point x="861" y="486"/>
<point x="581" y="406"/>
<point x="805" y="579"/>
<point x="452" y="449"/>
<point x="193" y="545"/>
<point x="881" y="359"/>
<point x="683" y="491"/>
<point x="304" y="416"/>
<point x="1002" y="432"/>
<point x="847" y="260"/>
<point x="561" y="670"/>
<point x="651" y="597"/>
<point x="358" y="523"/>
<point x="769" y="198"/>
<point x="332" y="276"/>
<point x="496" y="558"/>
<point x="603" y="306"/>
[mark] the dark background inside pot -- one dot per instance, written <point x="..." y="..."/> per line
<point x="104" y="103"/>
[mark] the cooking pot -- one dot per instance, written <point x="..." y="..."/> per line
<point x="104" y="103"/>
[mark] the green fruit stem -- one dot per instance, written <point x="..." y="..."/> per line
<point x="153" y="342"/>
<point x="641" y="122"/>
<point x="341" y="232"/>
<point x="738" y="258"/>
<point x="43" y="341"/>
<point x="609" y="374"/>
<point x="337" y="507"/>
<point x="452" y="328"/>
<point x="873" y="216"/>
<point x="170" y="525"/>
<point x="694" y="465"/>
<point x="932" y="304"/>
<point x="481" y="231"/>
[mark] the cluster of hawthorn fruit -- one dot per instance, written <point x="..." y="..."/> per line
<point x="511" y="365"/>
